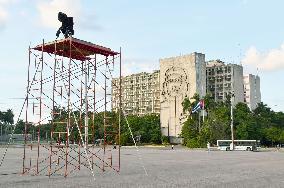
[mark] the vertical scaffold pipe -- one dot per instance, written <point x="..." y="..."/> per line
<point x="68" y="107"/>
<point x="40" y="107"/>
<point x="94" y="108"/>
<point x="119" y="116"/>
<point x="94" y="100"/>
<point x="27" y="106"/>
<point x="80" y="119"/>
<point x="86" y="104"/>
<point x="105" y="123"/>
<point x="53" y="109"/>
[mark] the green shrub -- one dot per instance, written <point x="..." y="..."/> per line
<point x="165" y="140"/>
<point x="192" y="143"/>
<point x="124" y="139"/>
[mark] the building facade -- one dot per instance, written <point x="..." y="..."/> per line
<point x="140" y="93"/>
<point x="224" y="79"/>
<point x="252" y="94"/>
<point x="163" y="91"/>
<point x="180" y="77"/>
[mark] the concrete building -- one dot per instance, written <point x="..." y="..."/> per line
<point x="163" y="91"/>
<point x="180" y="77"/>
<point x="223" y="79"/>
<point x="252" y="94"/>
<point x="140" y="93"/>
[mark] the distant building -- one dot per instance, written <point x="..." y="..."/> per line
<point x="224" y="79"/>
<point x="252" y="94"/>
<point x="180" y="77"/>
<point x="163" y="91"/>
<point x="140" y="93"/>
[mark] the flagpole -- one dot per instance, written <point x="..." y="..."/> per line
<point x="203" y="110"/>
<point x="199" y="121"/>
<point x="203" y="103"/>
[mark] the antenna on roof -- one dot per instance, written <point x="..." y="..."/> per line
<point x="240" y="55"/>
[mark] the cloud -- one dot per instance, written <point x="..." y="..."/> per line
<point x="2" y="2"/>
<point x="3" y="13"/>
<point x="271" y="60"/>
<point x="244" y="2"/>
<point x="136" y="65"/>
<point x="48" y="11"/>
<point x="3" y="17"/>
<point x="89" y="21"/>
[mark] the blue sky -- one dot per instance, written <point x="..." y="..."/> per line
<point x="250" y="31"/>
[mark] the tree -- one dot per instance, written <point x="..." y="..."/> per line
<point x="216" y="125"/>
<point x="20" y="127"/>
<point x="246" y="126"/>
<point x="273" y="134"/>
<point x="196" y="97"/>
<point x="7" y="117"/>
<point x="190" y="133"/>
<point x="148" y="127"/>
<point x="209" y="103"/>
<point x="186" y="105"/>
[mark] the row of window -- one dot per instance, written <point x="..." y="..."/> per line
<point x="226" y="85"/>
<point x="138" y="78"/>
<point x="226" y="69"/>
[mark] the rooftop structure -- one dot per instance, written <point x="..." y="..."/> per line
<point x="74" y="48"/>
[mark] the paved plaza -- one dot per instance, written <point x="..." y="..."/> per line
<point x="164" y="167"/>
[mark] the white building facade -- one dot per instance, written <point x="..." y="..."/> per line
<point x="140" y="93"/>
<point x="180" y="77"/>
<point x="252" y="95"/>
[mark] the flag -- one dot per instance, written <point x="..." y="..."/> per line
<point x="199" y="106"/>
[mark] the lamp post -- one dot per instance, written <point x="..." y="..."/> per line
<point x="232" y="121"/>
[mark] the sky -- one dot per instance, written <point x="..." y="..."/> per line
<point x="250" y="32"/>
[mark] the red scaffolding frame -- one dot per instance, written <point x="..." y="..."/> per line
<point x="69" y="88"/>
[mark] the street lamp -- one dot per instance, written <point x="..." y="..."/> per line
<point x="232" y="121"/>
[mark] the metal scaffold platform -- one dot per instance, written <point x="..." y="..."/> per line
<point x="69" y="91"/>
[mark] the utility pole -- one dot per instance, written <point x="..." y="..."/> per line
<point x="232" y="121"/>
<point x="203" y="104"/>
<point x="199" y="122"/>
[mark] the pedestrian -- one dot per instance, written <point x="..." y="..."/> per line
<point x="208" y="147"/>
<point x="172" y="146"/>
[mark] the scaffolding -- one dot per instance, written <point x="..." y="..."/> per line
<point x="69" y="93"/>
